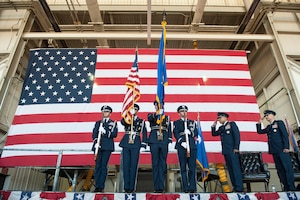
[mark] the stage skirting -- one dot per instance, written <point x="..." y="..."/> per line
<point x="28" y="195"/>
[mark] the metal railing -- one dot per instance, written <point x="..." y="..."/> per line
<point x="58" y="161"/>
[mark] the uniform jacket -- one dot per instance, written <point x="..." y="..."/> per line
<point x="139" y="130"/>
<point x="178" y="131"/>
<point x="278" y="138"/>
<point x="155" y="128"/>
<point x="107" y="142"/>
<point x="230" y="136"/>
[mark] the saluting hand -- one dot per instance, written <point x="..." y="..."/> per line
<point x="261" y="119"/>
<point x="215" y="122"/>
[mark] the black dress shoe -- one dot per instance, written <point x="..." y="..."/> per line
<point x="99" y="190"/>
<point x="193" y="191"/>
<point x="158" y="191"/>
<point x="186" y="191"/>
<point x="237" y="191"/>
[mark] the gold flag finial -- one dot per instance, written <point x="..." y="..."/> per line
<point x="164" y="16"/>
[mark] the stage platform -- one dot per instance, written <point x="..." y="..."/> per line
<point x="31" y="195"/>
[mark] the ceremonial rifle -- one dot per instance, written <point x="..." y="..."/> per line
<point x="188" y="151"/>
<point x="98" y="139"/>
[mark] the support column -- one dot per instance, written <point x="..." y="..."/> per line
<point x="171" y="181"/>
<point x="57" y="170"/>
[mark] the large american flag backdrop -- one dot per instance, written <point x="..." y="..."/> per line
<point x="64" y="90"/>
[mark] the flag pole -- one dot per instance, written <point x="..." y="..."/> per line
<point x="163" y="23"/>
<point x="201" y="156"/>
<point x="203" y="178"/>
<point x="130" y="140"/>
<point x="188" y="150"/>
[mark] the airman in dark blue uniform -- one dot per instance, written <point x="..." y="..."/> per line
<point x="158" y="140"/>
<point x="185" y="132"/>
<point x="132" y="141"/>
<point x="230" y="140"/>
<point x="278" y="142"/>
<point x="104" y="131"/>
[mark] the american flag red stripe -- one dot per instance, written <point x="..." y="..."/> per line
<point x="75" y="117"/>
<point x="207" y="81"/>
<point x="85" y="137"/>
<point x="182" y="81"/>
<point x="180" y="66"/>
<point x="187" y="97"/>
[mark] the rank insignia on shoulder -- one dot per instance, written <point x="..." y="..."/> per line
<point x="227" y="126"/>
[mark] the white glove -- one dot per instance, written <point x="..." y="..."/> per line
<point x="144" y="149"/>
<point x="147" y="148"/>
<point x="160" y="112"/>
<point x="183" y="144"/>
<point x="187" y="131"/>
<point x="102" y="130"/>
<point x="170" y="146"/>
<point x="96" y="146"/>
<point x="132" y="111"/>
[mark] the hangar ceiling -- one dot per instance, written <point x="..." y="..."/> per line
<point x="127" y="24"/>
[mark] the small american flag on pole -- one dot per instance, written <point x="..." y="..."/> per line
<point x="133" y="90"/>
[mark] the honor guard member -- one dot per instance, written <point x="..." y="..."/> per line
<point x="230" y="140"/>
<point x="132" y="141"/>
<point x="104" y="132"/>
<point x="278" y="142"/>
<point x="158" y="140"/>
<point x="185" y="132"/>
